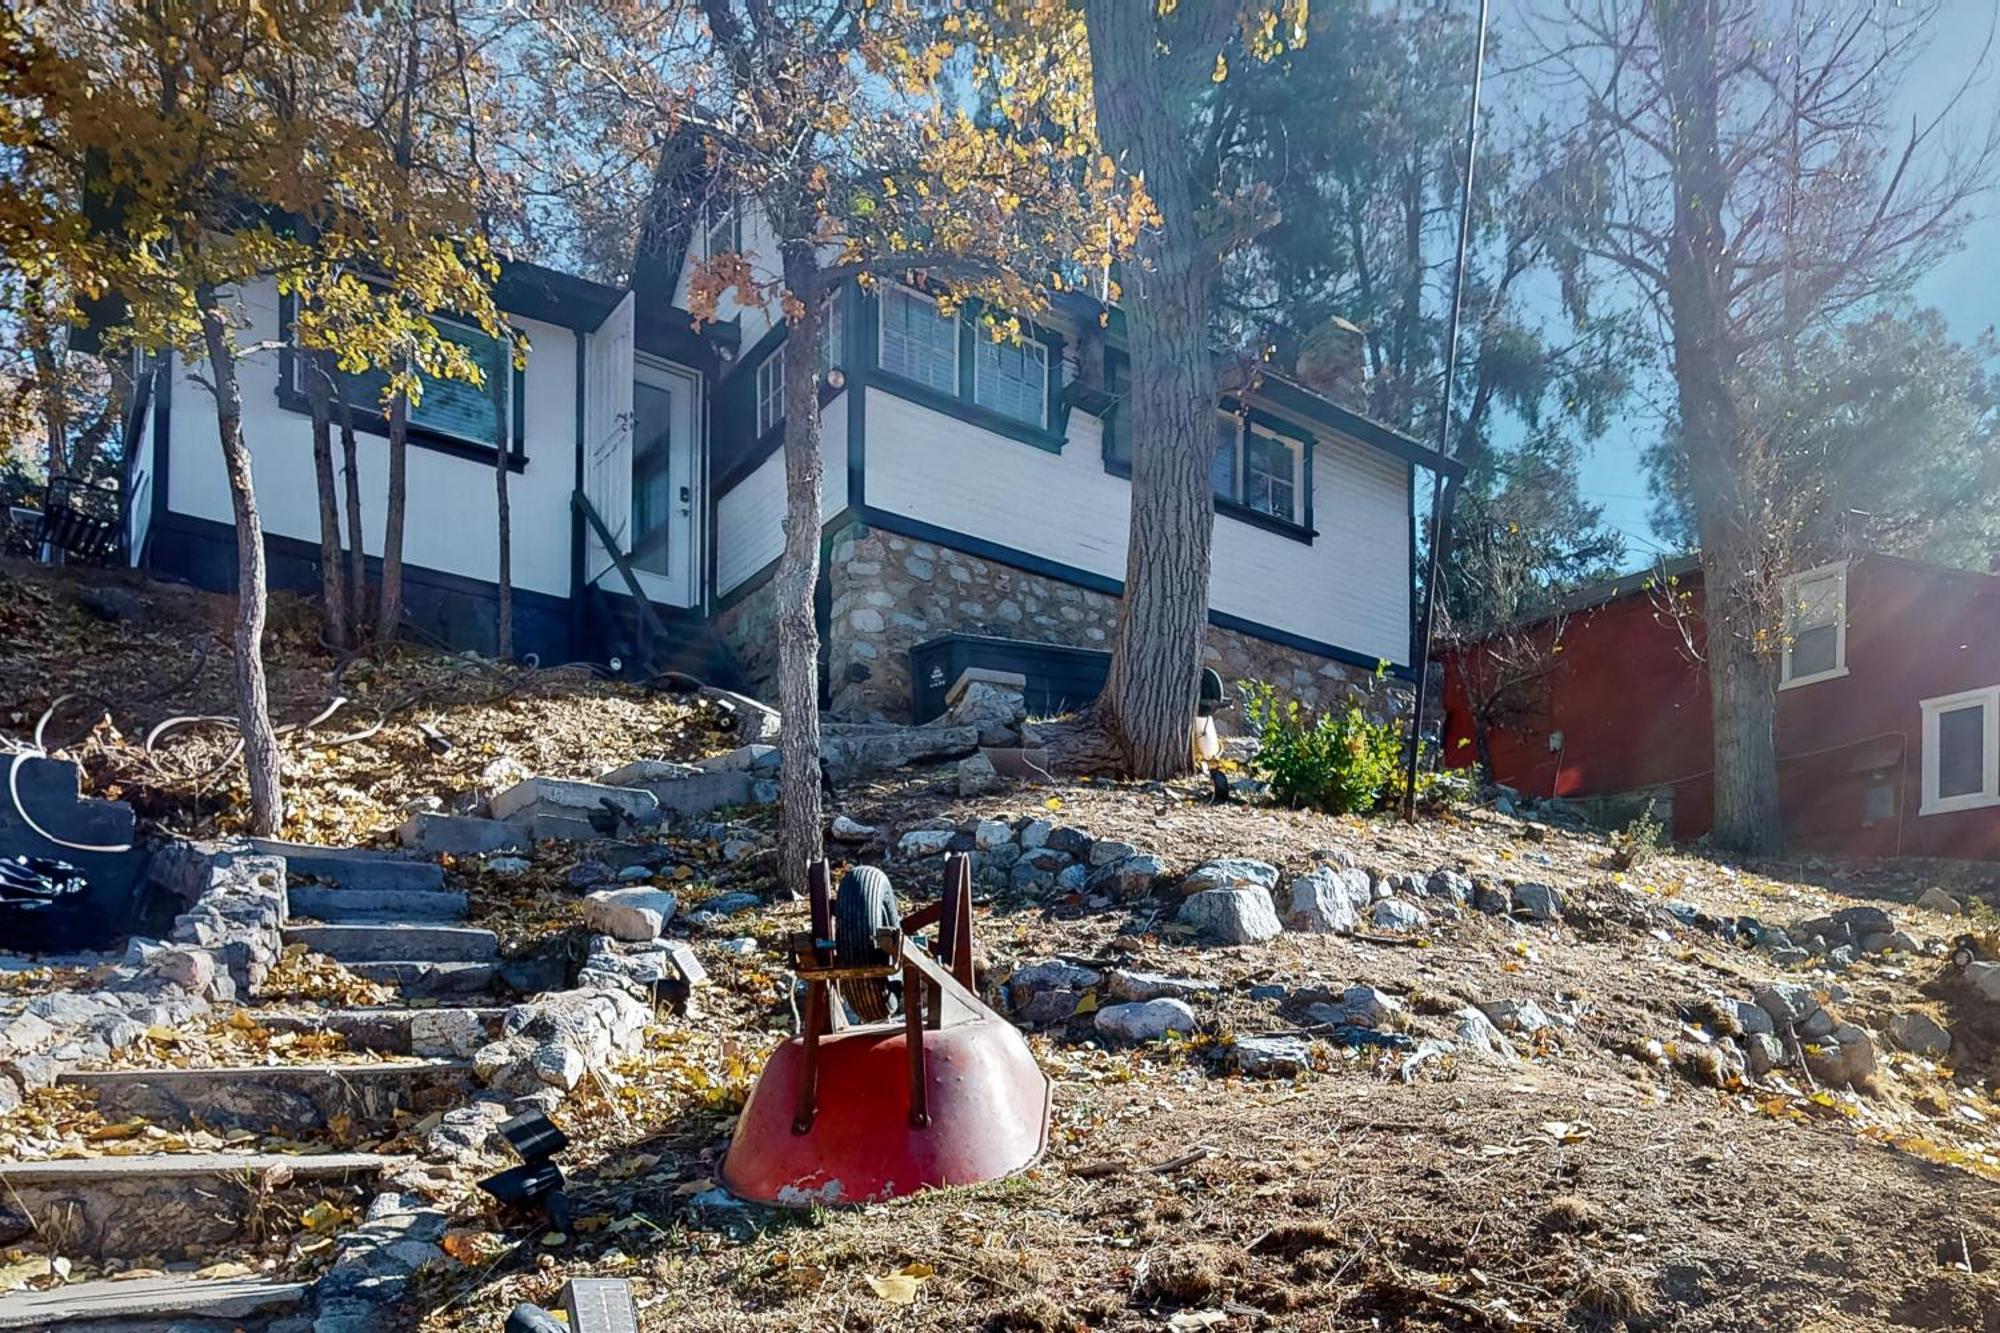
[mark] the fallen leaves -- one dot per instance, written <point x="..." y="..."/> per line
<point x="902" y="1286"/>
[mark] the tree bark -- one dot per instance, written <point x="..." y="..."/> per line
<point x="1148" y="703"/>
<point x="1721" y="459"/>
<point x="389" y="601"/>
<point x="332" y="575"/>
<point x="253" y="705"/>
<point x="357" y="553"/>
<point x="800" y="813"/>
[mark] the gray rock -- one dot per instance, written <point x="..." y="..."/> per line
<point x="1270" y="1057"/>
<point x="1075" y="841"/>
<point x="1984" y="978"/>
<point x="1935" y="899"/>
<point x="1232" y="916"/>
<point x="1762" y="1053"/>
<point x="558" y="1065"/>
<point x="1046" y="1007"/>
<point x="1318" y="903"/>
<point x="1789" y="955"/>
<point x="1786" y="1002"/>
<point x="586" y="874"/>
<point x="1050" y="974"/>
<point x="1126" y="878"/>
<point x="1445" y="882"/>
<point x="990" y="833"/>
<point x="1104" y="851"/>
<point x="1147" y="1020"/>
<point x="1397" y="914"/>
<point x="1035" y="833"/>
<point x="629" y="914"/>
<point x="925" y="842"/>
<point x="1125" y="984"/>
<point x="730" y="904"/>
<point x="453" y="1034"/>
<point x="976" y="776"/>
<point x="1920" y="1034"/>
<point x="1540" y="901"/>
<point x="851" y="830"/>
<point x="1841" y="958"/>
<point x="1491" y="899"/>
<point x="1072" y="878"/>
<point x="508" y="865"/>
<point x="1752" y="1018"/>
<point x="743" y="759"/>
<point x="1358" y="1006"/>
<point x="1516" y="1015"/>
<point x="1229" y="873"/>
<point x="1477" y="1036"/>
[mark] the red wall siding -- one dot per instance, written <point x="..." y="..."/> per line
<point x="1632" y="708"/>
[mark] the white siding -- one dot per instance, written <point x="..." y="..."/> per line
<point x="760" y="249"/>
<point x="449" y="524"/>
<point x="1348" y="588"/>
<point x="749" y="519"/>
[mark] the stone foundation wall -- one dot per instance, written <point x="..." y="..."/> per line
<point x="891" y="593"/>
<point x="750" y="630"/>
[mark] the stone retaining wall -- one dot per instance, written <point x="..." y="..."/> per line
<point x="891" y="593"/>
<point x="750" y="629"/>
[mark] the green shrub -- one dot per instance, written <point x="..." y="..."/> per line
<point x="1639" y="841"/>
<point x="1340" y="761"/>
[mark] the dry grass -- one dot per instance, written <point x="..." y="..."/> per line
<point x="1612" y="1296"/>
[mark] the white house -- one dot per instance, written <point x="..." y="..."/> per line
<point x="976" y="503"/>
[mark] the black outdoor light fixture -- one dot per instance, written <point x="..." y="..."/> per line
<point x="538" y="1181"/>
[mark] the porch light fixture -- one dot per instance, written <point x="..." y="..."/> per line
<point x="836" y="379"/>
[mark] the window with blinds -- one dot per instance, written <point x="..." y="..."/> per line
<point x="917" y="342"/>
<point x="1012" y="379"/>
<point x="475" y="413"/>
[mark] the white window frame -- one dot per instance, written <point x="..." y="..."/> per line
<point x="770" y="391"/>
<point x="1989" y="793"/>
<point x="1298" y="452"/>
<point x="713" y="219"/>
<point x="1794" y="598"/>
<point x="898" y="291"/>
<point x="1041" y="350"/>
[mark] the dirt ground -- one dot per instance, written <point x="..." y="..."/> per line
<point x="1586" y="1186"/>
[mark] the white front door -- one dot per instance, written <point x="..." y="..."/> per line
<point x="664" y="525"/>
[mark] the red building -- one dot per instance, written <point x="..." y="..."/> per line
<point x="1888" y="729"/>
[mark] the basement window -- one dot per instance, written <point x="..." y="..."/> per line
<point x="1816" y="626"/>
<point x="1961" y="751"/>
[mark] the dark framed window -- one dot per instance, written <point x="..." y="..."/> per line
<point x="450" y="416"/>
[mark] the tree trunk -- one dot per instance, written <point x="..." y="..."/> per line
<point x="389" y="602"/>
<point x="253" y="705"/>
<point x="332" y="576"/>
<point x="504" y="639"/>
<point x="799" y="826"/>
<point x="1148" y="704"/>
<point x="357" y="553"/>
<point x="1721" y="458"/>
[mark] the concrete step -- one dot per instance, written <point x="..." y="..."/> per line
<point x="438" y="1030"/>
<point x="175" y="1302"/>
<point x="430" y="981"/>
<point x="565" y="799"/>
<point x="398" y="943"/>
<point x="376" y="906"/>
<point x="353" y="868"/>
<point x="462" y="835"/>
<point x="170" y="1204"/>
<point x="683" y="789"/>
<point x="293" y="1100"/>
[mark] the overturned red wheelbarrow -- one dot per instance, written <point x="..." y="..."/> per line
<point x="948" y="1094"/>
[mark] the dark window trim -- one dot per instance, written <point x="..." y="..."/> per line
<point x="372" y="422"/>
<point x="1050" y="437"/>
<point x="1292" y="529"/>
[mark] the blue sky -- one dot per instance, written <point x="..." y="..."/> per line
<point x="1966" y="288"/>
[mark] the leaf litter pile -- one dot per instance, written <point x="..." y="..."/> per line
<point x="144" y="703"/>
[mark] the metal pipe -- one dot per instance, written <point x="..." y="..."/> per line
<point x="1440" y="497"/>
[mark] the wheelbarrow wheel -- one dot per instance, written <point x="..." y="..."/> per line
<point x="864" y="904"/>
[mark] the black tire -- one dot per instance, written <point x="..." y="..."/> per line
<point x="864" y="904"/>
